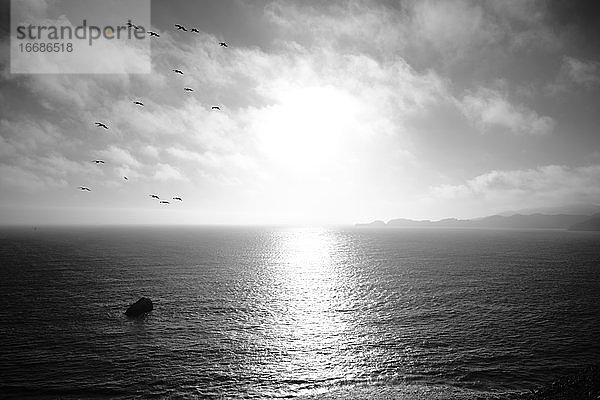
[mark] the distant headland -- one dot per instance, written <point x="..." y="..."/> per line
<point x="573" y="222"/>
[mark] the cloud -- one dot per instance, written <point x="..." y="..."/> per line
<point x="455" y="27"/>
<point x="118" y="155"/>
<point x="345" y="106"/>
<point x="586" y="73"/>
<point x="29" y="136"/>
<point x="59" y="165"/>
<point x="365" y="25"/>
<point x="573" y="75"/>
<point x="456" y="30"/>
<point x="488" y="109"/>
<point x="150" y="151"/>
<point x="545" y="185"/>
<point x="166" y="172"/>
<point x="13" y="177"/>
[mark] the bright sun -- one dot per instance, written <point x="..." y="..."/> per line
<point x="307" y="129"/>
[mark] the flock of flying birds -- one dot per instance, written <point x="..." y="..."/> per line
<point x="139" y="103"/>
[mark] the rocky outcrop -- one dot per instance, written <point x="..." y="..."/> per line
<point x="139" y="308"/>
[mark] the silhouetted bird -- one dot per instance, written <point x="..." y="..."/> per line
<point x="180" y="27"/>
<point x="125" y="178"/>
<point x="178" y="71"/>
<point x="164" y="202"/>
<point x="222" y="44"/>
<point x="195" y="30"/>
<point x="101" y="125"/>
<point x="177" y="198"/>
<point x="215" y="108"/>
<point x="98" y="161"/>
<point x="154" y="196"/>
<point x="129" y="24"/>
<point x="187" y="89"/>
<point x="153" y="34"/>
<point x="139" y="103"/>
<point x="85" y="189"/>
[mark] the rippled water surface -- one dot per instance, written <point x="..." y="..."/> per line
<point x="309" y="313"/>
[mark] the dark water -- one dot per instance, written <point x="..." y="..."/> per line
<point x="317" y="313"/>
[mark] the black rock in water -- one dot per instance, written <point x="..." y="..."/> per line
<point x="140" y="307"/>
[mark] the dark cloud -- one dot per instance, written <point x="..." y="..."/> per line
<point x="580" y="17"/>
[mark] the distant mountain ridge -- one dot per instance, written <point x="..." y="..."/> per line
<point x="515" y="221"/>
<point x="590" y="224"/>
<point x="571" y="209"/>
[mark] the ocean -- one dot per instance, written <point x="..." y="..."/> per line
<point x="333" y="313"/>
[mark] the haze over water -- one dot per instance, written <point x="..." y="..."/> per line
<point x="295" y="312"/>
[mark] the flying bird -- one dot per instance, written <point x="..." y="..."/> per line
<point x="129" y="24"/>
<point x="85" y="189"/>
<point x="125" y="178"/>
<point x="164" y="202"/>
<point x="101" y="125"/>
<point x="98" y="161"/>
<point x="187" y="89"/>
<point x="222" y="44"/>
<point x="178" y="71"/>
<point x="180" y="27"/>
<point x="215" y="108"/>
<point x="153" y="34"/>
<point x="139" y="103"/>
<point x="195" y="30"/>
<point x="177" y="198"/>
<point x="154" y="196"/>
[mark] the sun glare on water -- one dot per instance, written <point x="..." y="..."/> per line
<point x="308" y="284"/>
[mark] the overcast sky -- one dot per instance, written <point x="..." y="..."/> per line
<point x="331" y="112"/>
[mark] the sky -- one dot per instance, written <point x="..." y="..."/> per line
<point x="332" y="112"/>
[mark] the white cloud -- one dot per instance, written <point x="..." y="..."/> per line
<point x="118" y="155"/>
<point x="59" y="165"/>
<point x="166" y="172"/>
<point x="29" y="136"/>
<point x="20" y="179"/>
<point x="185" y="154"/>
<point x="150" y="151"/>
<point x="488" y="109"/>
<point x="546" y="185"/>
